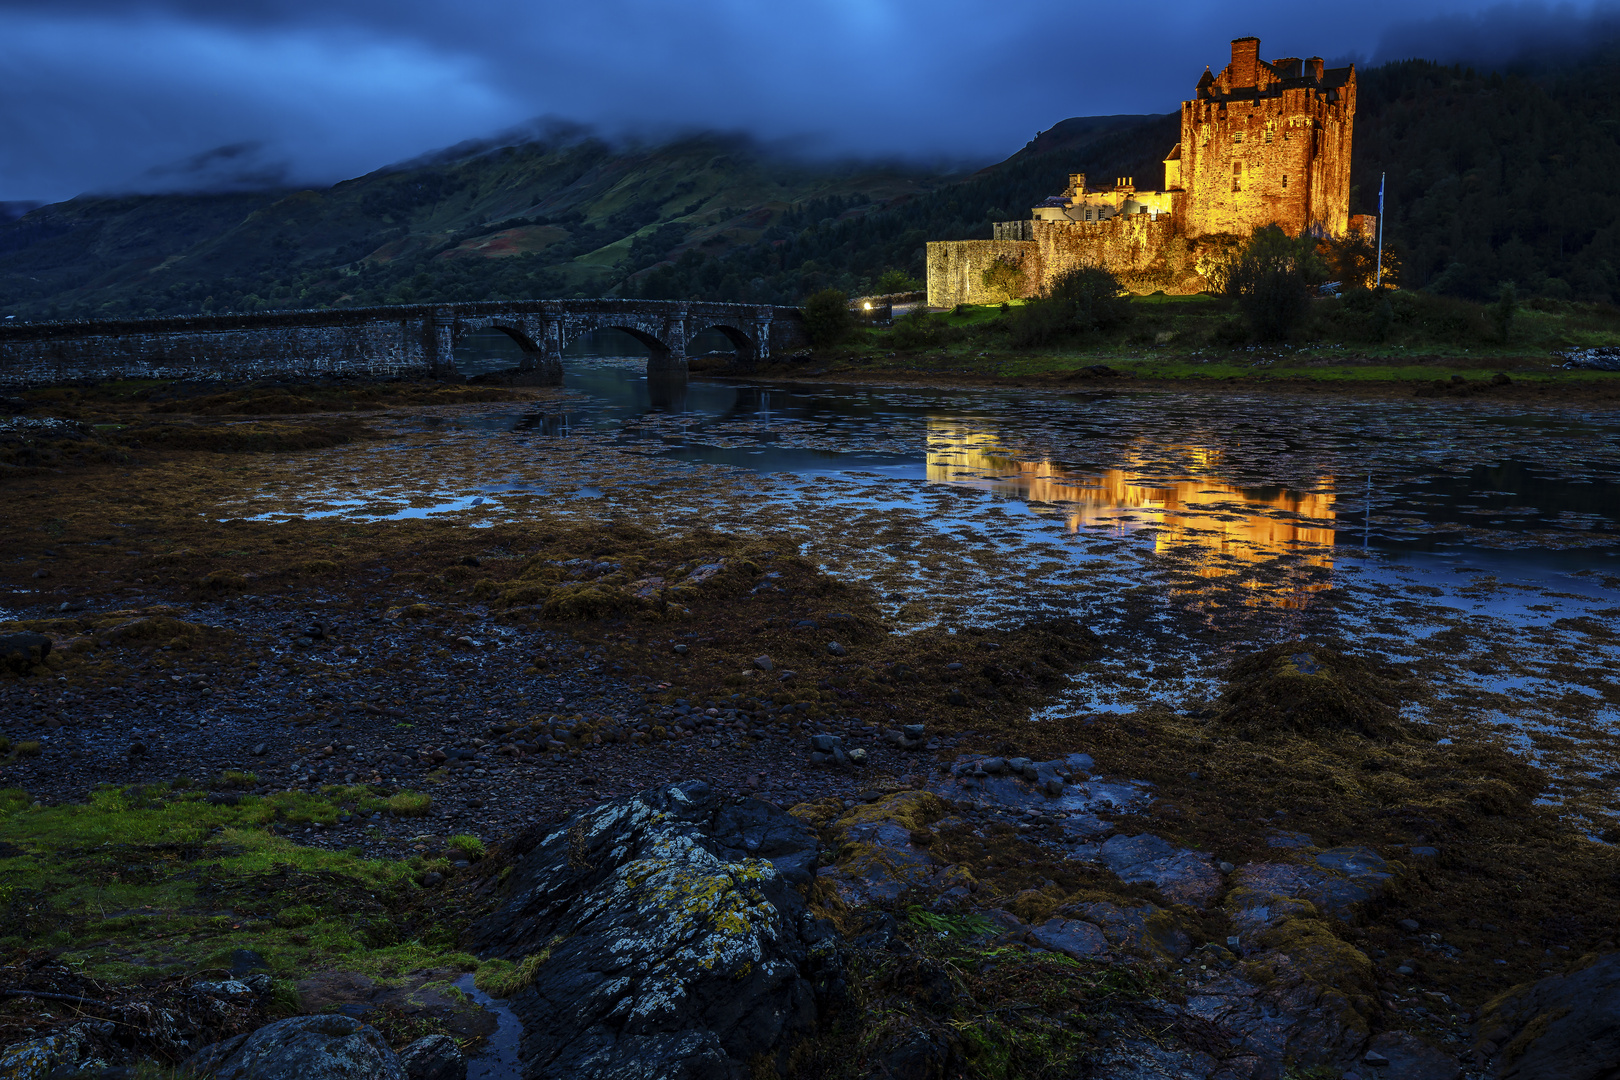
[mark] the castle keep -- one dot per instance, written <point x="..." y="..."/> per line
<point x="1263" y="142"/>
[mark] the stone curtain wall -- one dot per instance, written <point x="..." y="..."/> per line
<point x="955" y="268"/>
<point x="416" y="340"/>
<point x="1146" y="254"/>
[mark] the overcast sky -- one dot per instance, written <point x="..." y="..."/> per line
<point x="107" y="95"/>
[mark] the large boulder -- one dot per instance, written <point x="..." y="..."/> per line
<point x="661" y="935"/>
<point x="1565" y="1027"/>
<point x="332" y="1047"/>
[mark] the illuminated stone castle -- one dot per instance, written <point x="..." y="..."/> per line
<point x="1263" y="142"/>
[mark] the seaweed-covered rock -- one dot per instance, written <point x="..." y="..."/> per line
<point x="1339" y="882"/>
<point x="878" y="854"/>
<point x="24" y="649"/>
<point x="1304" y="690"/>
<point x="1564" y="1026"/>
<point x="434" y="1057"/>
<point x="660" y="935"/>
<point x="1182" y="875"/>
<point x="331" y="1047"/>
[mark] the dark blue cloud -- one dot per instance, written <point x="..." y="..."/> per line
<point x="171" y="94"/>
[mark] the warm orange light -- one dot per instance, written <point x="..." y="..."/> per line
<point x="1216" y="517"/>
<point x="869" y="305"/>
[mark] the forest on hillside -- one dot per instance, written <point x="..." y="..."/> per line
<point x="1492" y="176"/>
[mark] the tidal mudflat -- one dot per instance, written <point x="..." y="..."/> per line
<point x="1369" y="642"/>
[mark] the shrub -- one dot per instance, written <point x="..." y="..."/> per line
<point x="1271" y="280"/>
<point x="1085" y="301"/>
<point x="916" y="329"/>
<point x="827" y="319"/>
<point x="1003" y="279"/>
<point x="1505" y="308"/>
<point x="896" y="281"/>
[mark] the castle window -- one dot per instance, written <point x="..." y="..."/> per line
<point x="1285" y="181"/>
<point x="1237" y="136"/>
<point x="1268" y="135"/>
<point x="1237" y="176"/>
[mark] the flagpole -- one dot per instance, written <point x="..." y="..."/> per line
<point x="1378" y="277"/>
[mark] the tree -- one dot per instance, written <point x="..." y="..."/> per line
<point x="896" y="281"/>
<point x="1081" y="302"/>
<point x="1271" y="279"/>
<point x="1003" y="278"/>
<point x="827" y="318"/>
<point x="1505" y="308"/>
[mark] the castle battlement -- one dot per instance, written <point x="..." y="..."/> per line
<point x="1262" y="143"/>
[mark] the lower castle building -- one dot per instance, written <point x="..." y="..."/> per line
<point x="1262" y="143"/>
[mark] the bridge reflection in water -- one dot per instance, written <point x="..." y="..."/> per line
<point x="1275" y="546"/>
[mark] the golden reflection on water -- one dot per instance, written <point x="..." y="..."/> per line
<point x="1216" y="529"/>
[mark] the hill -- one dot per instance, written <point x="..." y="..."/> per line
<point x="1508" y="175"/>
<point x="565" y="215"/>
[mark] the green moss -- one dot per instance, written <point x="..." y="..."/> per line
<point x="136" y="880"/>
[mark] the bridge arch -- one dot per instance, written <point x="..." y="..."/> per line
<point x="665" y="344"/>
<point x="747" y="348"/>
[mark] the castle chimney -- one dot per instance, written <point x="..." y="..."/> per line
<point x="1313" y="68"/>
<point x="1246" y="61"/>
<point x="1288" y="67"/>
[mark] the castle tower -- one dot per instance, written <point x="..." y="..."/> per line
<point x="1265" y="143"/>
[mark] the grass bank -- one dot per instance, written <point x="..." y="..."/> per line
<point x="1424" y="345"/>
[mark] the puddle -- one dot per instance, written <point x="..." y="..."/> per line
<point x="498" y="1057"/>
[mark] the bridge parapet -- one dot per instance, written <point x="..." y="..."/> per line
<point x="404" y="340"/>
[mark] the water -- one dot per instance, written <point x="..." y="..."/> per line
<point x="1479" y="543"/>
<point x="497" y="1058"/>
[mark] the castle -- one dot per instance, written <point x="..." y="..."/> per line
<point x="1264" y="142"/>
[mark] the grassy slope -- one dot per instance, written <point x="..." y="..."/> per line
<point x="1188" y="339"/>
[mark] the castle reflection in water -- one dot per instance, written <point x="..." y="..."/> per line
<point x="1276" y="545"/>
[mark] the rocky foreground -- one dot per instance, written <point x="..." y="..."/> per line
<point x="311" y="799"/>
<point x="682" y="933"/>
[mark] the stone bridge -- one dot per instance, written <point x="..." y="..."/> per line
<point x="408" y="340"/>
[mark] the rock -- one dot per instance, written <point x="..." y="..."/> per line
<point x="1565" y="1026"/>
<point x="1407" y="1057"/>
<point x="1183" y="876"/>
<point x="223" y="987"/>
<point x="1409" y="925"/>
<point x="434" y="1057"/>
<point x="879" y="856"/>
<point x="679" y="650"/>
<point x="1081" y="940"/>
<point x="764" y="663"/>
<point x="1281" y="838"/>
<point x="38" y="1058"/>
<point x="24" y="648"/>
<point x="1147" y="930"/>
<point x="258" y="750"/>
<point x="836" y="649"/>
<point x="332" y="1047"/>
<point x="825" y="744"/>
<point x="671" y="938"/>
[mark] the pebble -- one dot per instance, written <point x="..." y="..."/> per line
<point x="836" y="649"/>
<point x="764" y="663"/>
<point x="1409" y="925"/>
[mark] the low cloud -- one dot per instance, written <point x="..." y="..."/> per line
<point x="105" y="96"/>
